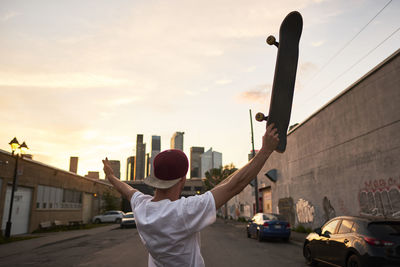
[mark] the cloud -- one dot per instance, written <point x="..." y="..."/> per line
<point x="223" y="82"/>
<point x="304" y="73"/>
<point x="250" y="69"/>
<point x="8" y="15"/>
<point x="305" y="70"/>
<point x="61" y="80"/>
<point x="317" y="44"/>
<point x="259" y="94"/>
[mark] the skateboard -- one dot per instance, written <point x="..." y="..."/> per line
<point x="285" y="76"/>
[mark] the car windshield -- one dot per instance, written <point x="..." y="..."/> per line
<point x="385" y="228"/>
<point x="273" y="217"/>
<point x="128" y="215"/>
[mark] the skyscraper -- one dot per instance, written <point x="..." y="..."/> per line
<point x="155" y="149"/>
<point x="130" y="168"/>
<point x="140" y="163"/>
<point x="177" y="140"/>
<point x="210" y="160"/>
<point x="116" y="167"/>
<point x="195" y="161"/>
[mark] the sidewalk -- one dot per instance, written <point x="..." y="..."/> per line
<point x="295" y="237"/>
<point x="46" y="239"/>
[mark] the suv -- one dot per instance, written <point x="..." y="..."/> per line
<point x="355" y="241"/>
<point x="109" y="216"/>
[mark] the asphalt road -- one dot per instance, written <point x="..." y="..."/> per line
<point x="223" y="244"/>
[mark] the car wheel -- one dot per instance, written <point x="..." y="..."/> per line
<point x="248" y="234"/>
<point x="309" y="258"/>
<point x="286" y="239"/>
<point x="259" y="237"/>
<point x="118" y="220"/>
<point x="353" y="261"/>
<point x="97" y="221"/>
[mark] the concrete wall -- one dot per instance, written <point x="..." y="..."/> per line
<point x="345" y="159"/>
<point x="35" y="173"/>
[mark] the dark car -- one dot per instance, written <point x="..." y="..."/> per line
<point x="354" y="242"/>
<point x="268" y="225"/>
<point x="128" y="220"/>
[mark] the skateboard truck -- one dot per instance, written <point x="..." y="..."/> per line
<point x="271" y="40"/>
<point x="261" y="117"/>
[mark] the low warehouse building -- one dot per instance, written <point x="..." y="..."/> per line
<point x="47" y="195"/>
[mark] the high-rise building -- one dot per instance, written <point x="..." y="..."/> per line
<point x="155" y="149"/>
<point x="147" y="170"/>
<point x="116" y="167"/>
<point x="195" y="161"/>
<point x="140" y="163"/>
<point x="130" y="168"/>
<point x="73" y="164"/>
<point x="210" y="160"/>
<point x="177" y="140"/>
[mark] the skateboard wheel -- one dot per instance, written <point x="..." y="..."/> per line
<point x="260" y="116"/>
<point x="271" y="40"/>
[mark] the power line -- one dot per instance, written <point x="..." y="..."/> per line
<point x="343" y="47"/>
<point x="352" y="66"/>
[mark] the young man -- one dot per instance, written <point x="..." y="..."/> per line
<point x="170" y="226"/>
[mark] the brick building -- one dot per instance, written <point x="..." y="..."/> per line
<point x="47" y="194"/>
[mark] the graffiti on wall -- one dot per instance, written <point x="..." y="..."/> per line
<point x="380" y="197"/>
<point x="328" y="209"/>
<point x="305" y="211"/>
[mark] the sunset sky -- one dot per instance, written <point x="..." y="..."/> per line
<point x="83" y="78"/>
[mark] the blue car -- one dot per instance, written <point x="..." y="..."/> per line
<point x="268" y="225"/>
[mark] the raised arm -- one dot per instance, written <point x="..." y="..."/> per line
<point x="236" y="182"/>
<point x="124" y="189"/>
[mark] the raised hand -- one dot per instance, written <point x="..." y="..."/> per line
<point x="107" y="168"/>
<point x="270" y="138"/>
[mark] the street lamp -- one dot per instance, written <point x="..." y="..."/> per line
<point x="17" y="151"/>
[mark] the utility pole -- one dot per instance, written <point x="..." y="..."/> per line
<point x="253" y="154"/>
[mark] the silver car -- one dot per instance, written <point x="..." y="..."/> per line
<point x="128" y="220"/>
<point x="109" y="216"/>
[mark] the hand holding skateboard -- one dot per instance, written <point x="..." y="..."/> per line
<point x="285" y="76"/>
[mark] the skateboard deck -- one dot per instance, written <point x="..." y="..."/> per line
<point x="285" y="76"/>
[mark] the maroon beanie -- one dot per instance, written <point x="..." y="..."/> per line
<point x="170" y="165"/>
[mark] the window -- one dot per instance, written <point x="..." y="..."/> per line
<point x="385" y="228"/>
<point x="49" y="197"/>
<point x="273" y="217"/>
<point x="345" y="227"/>
<point x="330" y="227"/>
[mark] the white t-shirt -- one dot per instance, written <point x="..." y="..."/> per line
<point x="170" y="230"/>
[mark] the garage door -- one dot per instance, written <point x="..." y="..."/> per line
<point x="21" y="210"/>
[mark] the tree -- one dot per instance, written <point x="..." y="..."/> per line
<point x="110" y="202"/>
<point x="217" y="175"/>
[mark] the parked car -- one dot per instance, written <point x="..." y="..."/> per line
<point x="268" y="225"/>
<point x="109" y="216"/>
<point x="128" y="220"/>
<point x="355" y="241"/>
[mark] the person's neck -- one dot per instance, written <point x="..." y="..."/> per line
<point x="165" y="194"/>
